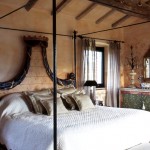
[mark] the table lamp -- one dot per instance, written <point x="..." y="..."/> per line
<point x="90" y="83"/>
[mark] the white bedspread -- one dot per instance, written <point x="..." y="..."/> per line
<point x="102" y="128"/>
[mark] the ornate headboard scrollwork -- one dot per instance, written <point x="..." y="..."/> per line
<point x="30" y="42"/>
<point x="20" y="77"/>
<point x="42" y="41"/>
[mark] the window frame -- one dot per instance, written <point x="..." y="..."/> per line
<point x="102" y="49"/>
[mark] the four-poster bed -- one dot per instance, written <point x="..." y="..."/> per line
<point x="95" y="127"/>
<point x="73" y="130"/>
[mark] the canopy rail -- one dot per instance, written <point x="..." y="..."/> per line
<point x="32" y="31"/>
<point x="80" y="36"/>
<point x="109" y="29"/>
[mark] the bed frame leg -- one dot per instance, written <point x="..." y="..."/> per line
<point x="3" y="147"/>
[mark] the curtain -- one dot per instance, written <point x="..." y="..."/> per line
<point x="113" y="74"/>
<point x="88" y="64"/>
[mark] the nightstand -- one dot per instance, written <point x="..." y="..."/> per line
<point x="135" y="98"/>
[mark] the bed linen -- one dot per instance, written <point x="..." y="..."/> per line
<point x="101" y="128"/>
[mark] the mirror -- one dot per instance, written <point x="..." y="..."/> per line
<point x="147" y="66"/>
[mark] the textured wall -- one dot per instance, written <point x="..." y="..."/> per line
<point x="139" y="38"/>
<point x="12" y="47"/>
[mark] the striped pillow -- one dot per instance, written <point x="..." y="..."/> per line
<point x="43" y="104"/>
<point x="48" y="104"/>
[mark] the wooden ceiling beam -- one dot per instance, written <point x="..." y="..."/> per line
<point x="121" y="20"/>
<point x="105" y="16"/>
<point x="129" y="7"/>
<point x="61" y="5"/>
<point x="86" y="11"/>
<point x="30" y="4"/>
<point x="148" y="2"/>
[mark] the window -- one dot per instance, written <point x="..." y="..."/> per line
<point x="94" y="66"/>
<point x="100" y="66"/>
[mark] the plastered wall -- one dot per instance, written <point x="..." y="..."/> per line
<point x="139" y="38"/>
<point x="12" y="47"/>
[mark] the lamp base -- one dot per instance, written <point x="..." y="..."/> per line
<point x="132" y="79"/>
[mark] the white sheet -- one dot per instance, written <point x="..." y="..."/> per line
<point x="102" y="128"/>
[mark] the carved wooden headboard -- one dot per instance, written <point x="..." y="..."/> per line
<point x="30" y="42"/>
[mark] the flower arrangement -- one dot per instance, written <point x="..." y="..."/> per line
<point x="132" y="60"/>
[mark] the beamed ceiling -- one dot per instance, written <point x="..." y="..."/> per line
<point x="123" y="12"/>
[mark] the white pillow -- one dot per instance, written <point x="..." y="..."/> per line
<point x="12" y="104"/>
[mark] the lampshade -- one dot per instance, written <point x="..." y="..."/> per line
<point x="90" y="83"/>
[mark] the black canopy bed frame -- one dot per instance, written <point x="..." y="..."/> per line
<point x="43" y="43"/>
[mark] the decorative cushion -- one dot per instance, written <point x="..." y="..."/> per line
<point x="43" y="97"/>
<point x="43" y="104"/>
<point x="83" y="101"/>
<point x="38" y="107"/>
<point x="48" y="104"/>
<point x="27" y="95"/>
<point x="68" y="90"/>
<point x="33" y="99"/>
<point x="39" y="92"/>
<point x="69" y="101"/>
<point x="28" y="102"/>
<point x="79" y="92"/>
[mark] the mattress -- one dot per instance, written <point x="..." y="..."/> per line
<point x="100" y="128"/>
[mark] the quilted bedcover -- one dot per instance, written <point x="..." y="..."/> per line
<point x="100" y="128"/>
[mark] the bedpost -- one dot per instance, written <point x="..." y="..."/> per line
<point x="55" y="77"/>
<point x="75" y="64"/>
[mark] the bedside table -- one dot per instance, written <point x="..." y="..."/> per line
<point x="135" y="98"/>
<point x="98" y="102"/>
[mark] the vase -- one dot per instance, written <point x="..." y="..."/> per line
<point x="132" y="79"/>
